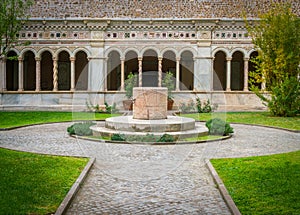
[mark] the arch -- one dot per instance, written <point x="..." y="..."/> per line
<point x="252" y="71"/>
<point x="87" y="52"/>
<point x="113" y="70"/>
<point x="131" y="63"/>
<point x="146" y="49"/>
<point x="42" y="50"/>
<point x="60" y="50"/>
<point x="188" y="49"/>
<point x="25" y="50"/>
<point x="219" y="71"/>
<point x="235" y="50"/>
<point x="12" y="71"/>
<point x="237" y="71"/>
<point x="113" y="49"/>
<point x="29" y="70"/>
<point x="64" y="70"/>
<point x="186" y="70"/>
<point x="150" y="68"/>
<point x="224" y="50"/>
<point x="81" y="70"/>
<point x="46" y="70"/>
<point x="169" y="62"/>
<point x="131" y="50"/>
<point x="170" y="49"/>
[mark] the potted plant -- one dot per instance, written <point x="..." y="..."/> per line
<point x="130" y="83"/>
<point x="169" y="82"/>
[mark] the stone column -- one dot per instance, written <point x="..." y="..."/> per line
<point x="21" y="87"/>
<point x="177" y="73"/>
<point x="228" y="74"/>
<point x="3" y="70"/>
<point x="246" y="65"/>
<point x="72" y="59"/>
<point x="55" y="74"/>
<point x="38" y="74"/>
<point x="160" y="71"/>
<point x="140" y="71"/>
<point x="122" y="73"/>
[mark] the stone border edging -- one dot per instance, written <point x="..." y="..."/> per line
<point x="151" y="143"/>
<point x="74" y="189"/>
<point x="229" y="201"/>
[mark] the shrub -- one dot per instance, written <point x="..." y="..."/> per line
<point x="118" y="137"/>
<point x="187" y="107"/>
<point x="81" y="129"/>
<point x="166" y="138"/>
<point x="218" y="126"/>
<point x="204" y="107"/>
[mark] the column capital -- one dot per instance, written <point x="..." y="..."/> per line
<point x="37" y="58"/>
<point x="160" y="58"/>
<point x="122" y="58"/>
<point x="178" y="58"/>
<point x="72" y="58"/>
<point x="140" y="58"/>
<point x="20" y="58"/>
<point x="54" y="58"/>
<point x="246" y="58"/>
<point x="228" y="58"/>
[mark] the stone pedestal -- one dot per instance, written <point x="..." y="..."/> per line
<point x="150" y="103"/>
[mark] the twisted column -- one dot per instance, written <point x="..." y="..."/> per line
<point x="246" y="64"/>
<point x="122" y="73"/>
<point x="159" y="71"/>
<point x="55" y="74"/>
<point x="140" y="71"/>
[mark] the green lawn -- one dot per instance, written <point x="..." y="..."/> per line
<point x="14" y="119"/>
<point x="35" y="184"/>
<point x="263" y="185"/>
<point x="257" y="118"/>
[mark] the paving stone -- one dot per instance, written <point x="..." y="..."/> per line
<point x="138" y="179"/>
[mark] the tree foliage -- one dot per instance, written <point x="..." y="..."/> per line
<point x="277" y="39"/>
<point x="12" y="17"/>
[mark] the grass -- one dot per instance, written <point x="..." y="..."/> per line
<point x="256" y="118"/>
<point x="14" y="119"/>
<point x="35" y="184"/>
<point x="263" y="185"/>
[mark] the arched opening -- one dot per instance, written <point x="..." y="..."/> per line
<point x="12" y="71"/>
<point x="219" y="73"/>
<point x="113" y="71"/>
<point x="186" y="71"/>
<point x="131" y="63"/>
<point x="169" y="62"/>
<point x="81" y="71"/>
<point x="237" y="71"/>
<point x="150" y="69"/>
<point x="252" y="71"/>
<point x="46" y="71"/>
<point x="29" y="69"/>
<point x="64" y="71"/>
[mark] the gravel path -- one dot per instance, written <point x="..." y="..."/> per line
<point x="147" y="179"/>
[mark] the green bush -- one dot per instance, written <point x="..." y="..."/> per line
<point x="81" y="129"/>
<point x="118" y="137"/>
<point x="204" y="107"/>
<point x="166" y="138"/>
<point x="142" y="139"/>
<point x="218" y="126"/>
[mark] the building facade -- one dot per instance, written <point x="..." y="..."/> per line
<point x="82" y="51"/>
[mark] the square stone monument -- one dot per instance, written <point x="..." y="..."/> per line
<point x="150" y="103"/>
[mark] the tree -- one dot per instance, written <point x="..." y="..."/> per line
<point x="277" y="38"/>
<point x="12" y="17"/>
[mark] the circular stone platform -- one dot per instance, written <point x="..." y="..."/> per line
<point x="178" y="127"/>
<point x="171" y="124"/>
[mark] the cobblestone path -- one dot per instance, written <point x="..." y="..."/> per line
<point x="147" y="179"/>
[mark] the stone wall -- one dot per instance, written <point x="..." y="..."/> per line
<point x="153" y="8"/>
